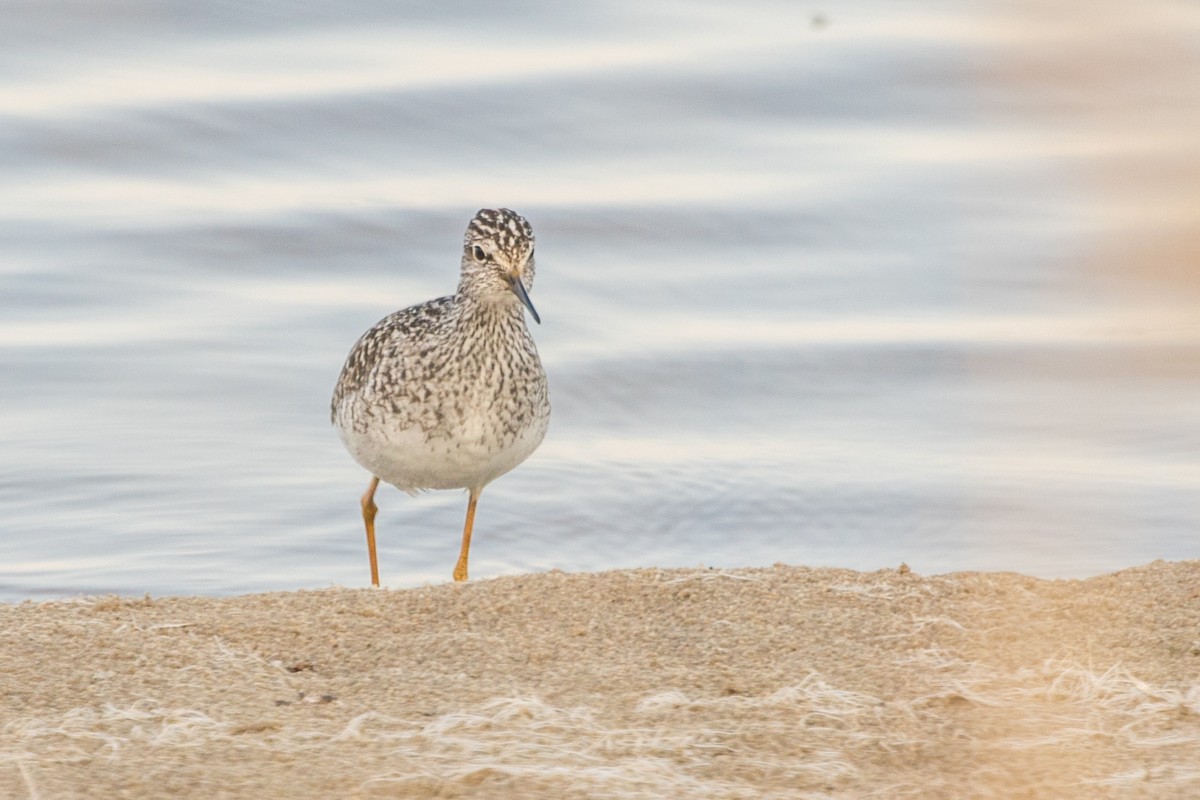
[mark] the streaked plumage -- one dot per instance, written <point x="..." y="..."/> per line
<point x="450" y="393"/>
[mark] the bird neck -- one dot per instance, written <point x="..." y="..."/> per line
<point x="500" y="309"/>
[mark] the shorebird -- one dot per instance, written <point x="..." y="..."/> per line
<point x="450" y="394"/>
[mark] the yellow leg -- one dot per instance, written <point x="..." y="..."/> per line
<point x="369" y="508"/>
<point x="460" y="569"/>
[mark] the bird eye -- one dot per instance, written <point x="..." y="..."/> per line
<point x="479" y="253"/>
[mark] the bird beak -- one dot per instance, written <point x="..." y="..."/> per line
<point x="518" y="288"/>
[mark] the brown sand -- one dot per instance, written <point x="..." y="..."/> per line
<point x="782" y="682"/>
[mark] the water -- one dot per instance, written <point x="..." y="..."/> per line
<point x="834" y="286"/>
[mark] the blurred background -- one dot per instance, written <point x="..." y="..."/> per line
<point x="841" y="285"/>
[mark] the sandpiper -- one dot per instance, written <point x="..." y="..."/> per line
<point x="450" y="394"/>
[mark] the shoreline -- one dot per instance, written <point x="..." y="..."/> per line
<point x="766" y="682"/>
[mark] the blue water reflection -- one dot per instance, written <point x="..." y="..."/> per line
<point x="841" y="294"/>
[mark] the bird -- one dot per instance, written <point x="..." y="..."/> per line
<point x="450" y="393"/>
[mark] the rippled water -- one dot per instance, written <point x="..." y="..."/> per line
<point x="834" y="286"/>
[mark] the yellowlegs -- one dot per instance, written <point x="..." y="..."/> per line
<point x="450" y="394"/>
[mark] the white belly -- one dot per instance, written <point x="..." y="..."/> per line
<point x="472" y="458"/>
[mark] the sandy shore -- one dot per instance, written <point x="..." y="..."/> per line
<point x="781" y="682"/>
